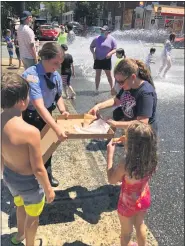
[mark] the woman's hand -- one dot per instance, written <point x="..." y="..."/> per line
<point x="60" y="134"/>
<point x="94" y="110"/>
<point x="110" y="148"/>
<point x="108" y="56"/>
<point x="66" y="114"/>
<point x="112" y="123"/>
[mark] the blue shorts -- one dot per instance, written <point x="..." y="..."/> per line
<point x="26" y="191"/>
<point x="10" y="52"/>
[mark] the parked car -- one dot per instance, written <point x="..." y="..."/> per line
<point x="77" y="27"/>
<point x="47" y="32"/>
<point x="179" y="42"/>
<point x="37" y="23"/>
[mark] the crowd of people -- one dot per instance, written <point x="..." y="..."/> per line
<point x="29" y="100"/>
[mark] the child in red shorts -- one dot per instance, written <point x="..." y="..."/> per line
<point x="134" y="172"/>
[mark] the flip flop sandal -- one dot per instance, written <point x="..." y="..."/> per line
<point x="14" y="240"/>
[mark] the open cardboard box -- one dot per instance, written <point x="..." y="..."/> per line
<point x="49" y="139"/>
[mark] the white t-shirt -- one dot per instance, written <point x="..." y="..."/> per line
<point x="148" y="60"/>
<point x="25" y="37"/>
<point x="167" y="48"/>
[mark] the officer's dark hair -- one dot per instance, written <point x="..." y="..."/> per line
<point x="152" y="50"/>
<point x="50" y="50"/>
<point x="14" y="88"/>
<point x="121" y="51"/>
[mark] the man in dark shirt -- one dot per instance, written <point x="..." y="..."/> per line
<point x="67" y="69"/>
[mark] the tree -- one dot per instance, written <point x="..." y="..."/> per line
<point x="13" y="9"/>
<point x="54" y="8"/>
<point x="88" y="10"/>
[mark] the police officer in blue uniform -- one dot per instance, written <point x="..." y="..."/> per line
<point x="45" y="94"/>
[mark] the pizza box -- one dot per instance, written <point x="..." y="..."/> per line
<point x="49" y="139"/>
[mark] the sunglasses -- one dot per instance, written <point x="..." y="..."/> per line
<point x="49" y="83"/>
<point x="123" y="81"/>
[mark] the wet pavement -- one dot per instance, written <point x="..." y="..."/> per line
<point x="165" y="217"/>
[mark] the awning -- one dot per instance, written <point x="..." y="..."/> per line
<point x="168" y="10"/>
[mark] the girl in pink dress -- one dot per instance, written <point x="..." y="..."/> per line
<point x="134" y="172"/>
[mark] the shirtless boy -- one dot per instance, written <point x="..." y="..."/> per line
<point x="23" y="169"/>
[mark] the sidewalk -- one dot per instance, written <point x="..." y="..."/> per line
<point x="84" y="211"/>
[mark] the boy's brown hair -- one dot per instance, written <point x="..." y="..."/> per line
<point x="141" y="150"/>
<point x="13" y="89"/>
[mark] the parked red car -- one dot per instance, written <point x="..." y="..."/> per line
<point x="47" y="32"/>
<point x="179" y="42"/>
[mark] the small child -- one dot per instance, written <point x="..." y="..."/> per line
<point x="120" y="54"/>
<point x="149" y="58"/>
<point x="17" y="49"/>
<point x="23" y="169"/>
<point x="67" y="69"/>
<point x="9" y="42"/>
<point x="134" y="172"/>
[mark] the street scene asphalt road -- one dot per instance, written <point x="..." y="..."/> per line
<point x="165" y="217"/>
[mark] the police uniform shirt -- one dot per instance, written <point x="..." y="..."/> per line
<point x="38" y="86"/>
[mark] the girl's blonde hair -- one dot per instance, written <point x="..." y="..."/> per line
<point x="128" y="66"/>
<point x="141" y="153"/>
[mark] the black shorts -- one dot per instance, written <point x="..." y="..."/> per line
<point x="17" y="53"/>
<point x="104" y="64"/>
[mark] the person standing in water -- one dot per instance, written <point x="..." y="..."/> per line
<point x="149" y="58"/>
<point x="166" y="55"/>
<point x="102" y="48"/>
<point x="120" y="54"/>
<point x="67" y="69"/>
<point x="62" y="39"/>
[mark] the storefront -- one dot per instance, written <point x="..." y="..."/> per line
<point x="172" y="18"/>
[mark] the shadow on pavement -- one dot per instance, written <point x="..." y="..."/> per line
<point x="96" y="145"/>
<point x="89" y="93"/>
<point x="76" y="243"/>
<point x="80" y="201"/>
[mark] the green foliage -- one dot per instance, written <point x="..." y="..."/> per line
<point x="88" y="10"/>
<point x="54" y="8"/>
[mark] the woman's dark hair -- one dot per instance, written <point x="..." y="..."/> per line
<point x="127" y="67"/>
<point x="172" y="36"/>
<point x="141" y="150"/>
<point x="121" y="52"/>
<point x="13" y="89"/>
<point x="50" y="50"/>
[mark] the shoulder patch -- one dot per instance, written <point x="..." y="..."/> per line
<point x="32" y="78"/>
